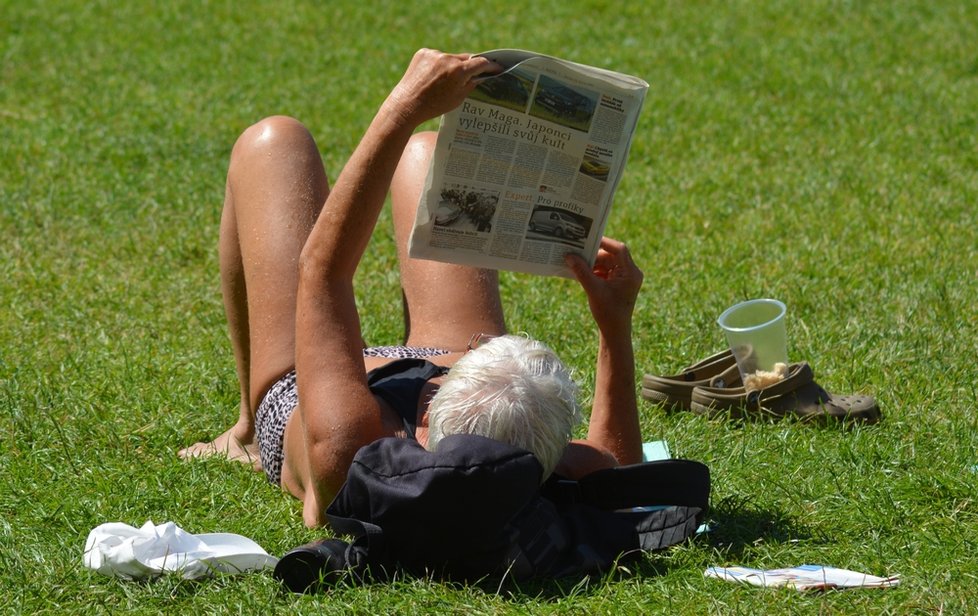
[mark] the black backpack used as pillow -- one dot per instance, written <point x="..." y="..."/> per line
<point x="475" y="509"/>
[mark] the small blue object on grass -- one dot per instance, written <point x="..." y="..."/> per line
<point x="655" y="450"/>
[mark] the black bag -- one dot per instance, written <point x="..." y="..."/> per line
<point x="475" y="509"/>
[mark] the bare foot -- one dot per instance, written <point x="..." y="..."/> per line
<point x="237" y="444"/>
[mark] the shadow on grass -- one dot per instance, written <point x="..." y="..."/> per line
<point x="736" y="525"/>
<point x="633" y="566"/>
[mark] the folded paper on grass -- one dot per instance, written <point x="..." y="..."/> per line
<point x="120" y="550"/>
<point x="803" y="577"/>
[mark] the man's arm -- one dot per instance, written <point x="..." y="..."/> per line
<point x="336" y="409"/>
<point x="612" y="287"/>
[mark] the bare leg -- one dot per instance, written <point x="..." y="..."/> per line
<point x="275" y="190"/>
<point x="238" y="441"/>
<point x="443" y="304"/>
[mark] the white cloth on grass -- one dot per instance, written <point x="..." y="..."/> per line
<point x="120" y="550"/>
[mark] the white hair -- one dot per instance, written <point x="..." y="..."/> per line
<point x="512" y="389"/>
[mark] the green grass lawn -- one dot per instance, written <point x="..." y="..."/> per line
<point x="824" y="153"/>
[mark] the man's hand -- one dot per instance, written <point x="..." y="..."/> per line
<point x="611" y="286"/>
<point x="436" y="83"/>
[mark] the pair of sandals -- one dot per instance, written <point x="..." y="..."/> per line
<point x="713" y="387"/>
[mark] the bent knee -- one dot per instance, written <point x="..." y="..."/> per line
<point x="273" y="134"/>
<point x="421" y="143"/>
<point x="417" y="153"/>
<point x="410" y="175"/>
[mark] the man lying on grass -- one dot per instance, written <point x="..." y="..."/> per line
<point x="312" y="393"/>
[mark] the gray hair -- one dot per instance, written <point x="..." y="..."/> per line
<point x="512" y="389"/>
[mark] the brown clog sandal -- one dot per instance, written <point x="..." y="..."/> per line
<point x="673" y="392"/>
<point x="798" y="396"/>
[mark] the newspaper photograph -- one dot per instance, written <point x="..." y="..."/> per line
<point x="525" y="169"/>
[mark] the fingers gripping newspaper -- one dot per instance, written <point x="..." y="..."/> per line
<point x="525" y="169"/>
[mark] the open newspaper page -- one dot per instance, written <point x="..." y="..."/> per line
<point x="525" y="169"/>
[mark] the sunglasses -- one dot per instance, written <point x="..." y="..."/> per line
<point x="477" y="340"/>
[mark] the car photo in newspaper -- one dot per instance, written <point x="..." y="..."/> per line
<point x="525" y="169"/>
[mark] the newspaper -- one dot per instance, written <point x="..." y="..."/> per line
<point x="802" y="577"/>
<point x="525" y="169"/>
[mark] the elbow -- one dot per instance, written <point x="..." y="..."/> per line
<point x="329" y="467"/>
<point x="331" y="456"/>
<point x="321" y="485"/>
<point x="582" y="458"/>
